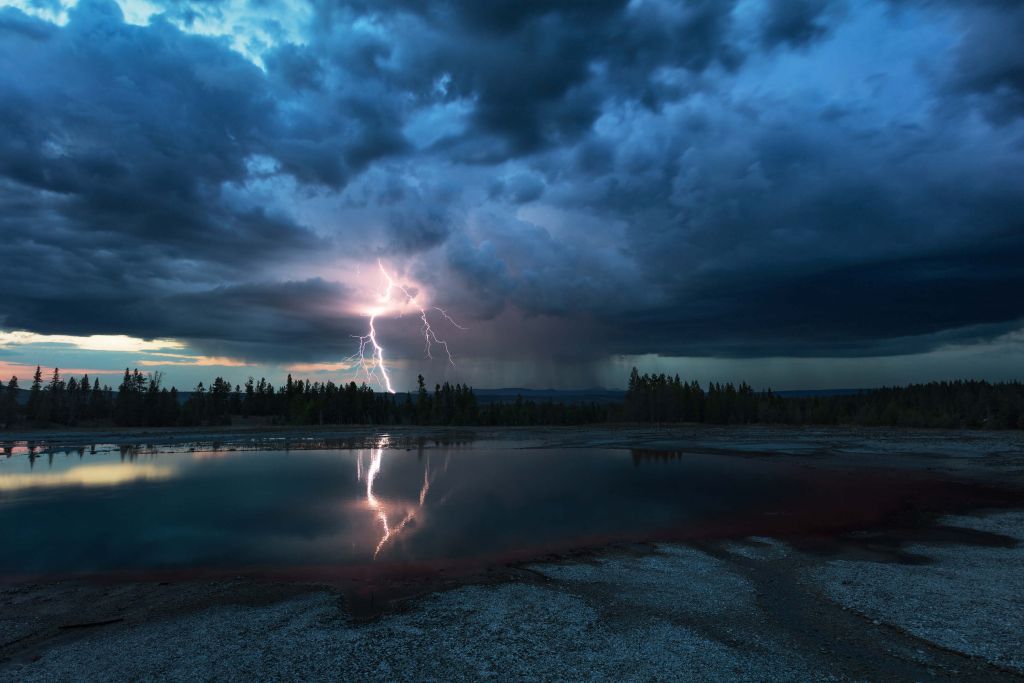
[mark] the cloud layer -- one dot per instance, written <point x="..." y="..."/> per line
<point x="577" y="180"/>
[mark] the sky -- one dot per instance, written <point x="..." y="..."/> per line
<point x="799" y="194"/>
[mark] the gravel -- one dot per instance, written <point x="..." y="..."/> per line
<point x="563" y="630"/>
<point x="749" y="609"/>
<point x="966" y="598"/>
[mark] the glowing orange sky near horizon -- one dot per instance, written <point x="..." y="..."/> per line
<point x="25" y="372"/>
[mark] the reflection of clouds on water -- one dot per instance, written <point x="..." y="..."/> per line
<point x="87" y="475"/>
<point x="27" y="448"/>
<point x="387" y="510"/>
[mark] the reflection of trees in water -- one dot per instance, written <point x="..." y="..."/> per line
<point x="28" y="448"/>
<point x="211" y="448"/>
<point x="388" y="511"/>
<point x="654" y="455"/>
<point x="131" y="452"/>
<point x="371" y="442"/>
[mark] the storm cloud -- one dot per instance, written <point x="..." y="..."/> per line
<point x="702" y="178"/>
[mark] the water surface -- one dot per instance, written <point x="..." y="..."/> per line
<point x="123" y="508"/>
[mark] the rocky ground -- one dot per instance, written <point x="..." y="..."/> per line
<point x="753" y="609"/>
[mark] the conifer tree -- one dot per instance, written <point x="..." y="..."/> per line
<point x="35" y="396"/>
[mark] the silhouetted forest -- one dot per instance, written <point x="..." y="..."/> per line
<point x="141" y="400"/>
<point x="973" y="404"/>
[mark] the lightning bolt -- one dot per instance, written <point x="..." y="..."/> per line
<point x="374" y="366"/>
<point x="447" y="317"/>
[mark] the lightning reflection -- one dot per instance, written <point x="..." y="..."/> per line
<point x="385" y="511"/>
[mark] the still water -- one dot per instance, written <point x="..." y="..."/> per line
<point x="104" y="509"/>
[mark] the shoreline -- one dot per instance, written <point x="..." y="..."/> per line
<point x="74" y="437"/>
<point x="747" y="602"/>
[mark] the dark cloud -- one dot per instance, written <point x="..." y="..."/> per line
<point x="987" y="63"/>
<point x="298" y="67"/>
<point x="414" y="231"/>
<point x="537" y="73"/>
<point x="507" y="16"/>
<point x="519" y="188"/>
<point x="121" y="142"/>
<point x="990" y="62"/>
<point x="263" y="321"/>
<point x="794" y="22"/>
<point x="698" y="177"/>
<point x="887" y="307"/>
<point x="283" y="321"/>
<point x="132" y="133"/>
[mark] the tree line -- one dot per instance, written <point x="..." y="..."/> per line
<point x="962" y="403"/>
<point x="141" y="400"/>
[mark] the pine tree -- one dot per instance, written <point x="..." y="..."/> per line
<point x="35" y="396"/>
<point x="422" y="401"/>
<point x="53" y="396"/>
